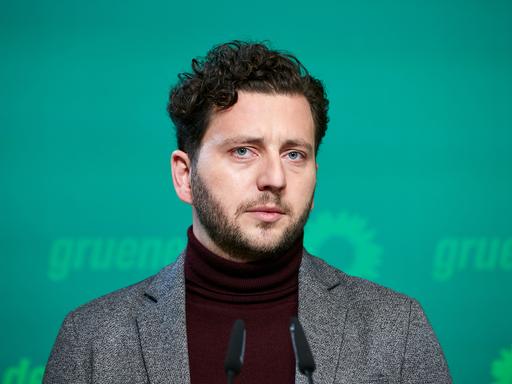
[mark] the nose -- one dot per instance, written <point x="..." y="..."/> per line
<point x="272" y="175"/>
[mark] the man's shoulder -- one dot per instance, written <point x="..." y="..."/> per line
<point x="117" y="307"/>
<point x="120" y="300"/>
<point x="360" y="292"/>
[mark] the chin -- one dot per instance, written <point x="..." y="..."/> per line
<point x="266" y="230"/>
<point x="265" y="237"/>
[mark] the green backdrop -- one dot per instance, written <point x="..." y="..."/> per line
<point x="415" y="173"/>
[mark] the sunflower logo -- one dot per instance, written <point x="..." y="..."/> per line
<point x="502" y="367"/>
<point x="351" y="229"/>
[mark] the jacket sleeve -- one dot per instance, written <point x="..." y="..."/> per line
<point x="69" y="362"/>
<point x="424" y="361"/>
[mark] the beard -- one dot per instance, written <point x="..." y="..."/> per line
<point x="229" y="236"/>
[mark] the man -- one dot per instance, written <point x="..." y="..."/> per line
<point x="249" y="123"/>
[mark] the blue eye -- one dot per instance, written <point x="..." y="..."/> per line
<point x="242" y="151"/>
<point x="294" y="155"/>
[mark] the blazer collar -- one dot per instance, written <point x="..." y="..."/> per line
<point x="162" y="327"/>
<point x="322" y="312"/>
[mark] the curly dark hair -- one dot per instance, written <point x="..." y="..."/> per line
<point x="239" y="66"/>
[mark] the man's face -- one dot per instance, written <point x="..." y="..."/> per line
<point x="255" y="175"/>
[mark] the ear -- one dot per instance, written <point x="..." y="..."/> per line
<point x="181" y="172"/>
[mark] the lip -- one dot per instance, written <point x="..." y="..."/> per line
<point x="268" y="217"/>
<point x="266" y="214"/>
<point x="266" y="209"/>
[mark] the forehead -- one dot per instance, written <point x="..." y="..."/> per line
<point x="272" y="117"/>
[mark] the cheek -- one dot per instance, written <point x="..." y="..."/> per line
<point x="229" y="189"/>
<point x="305" y="181"/>
<point x="230" y="183"/>
<point x="231" y="179"/>
<point x="301" y="190"/>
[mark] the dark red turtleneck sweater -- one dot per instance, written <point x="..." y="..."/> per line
<point x="262" y="293"/>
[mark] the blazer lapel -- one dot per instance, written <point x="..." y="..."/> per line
<point x="162" y="327"/>
<point x="322" y="313"/>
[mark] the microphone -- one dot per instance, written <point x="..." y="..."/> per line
<point x="236" y="348"/>
<point x="303" y="355"/>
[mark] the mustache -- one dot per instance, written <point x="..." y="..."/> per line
<point x="263" y="199"/>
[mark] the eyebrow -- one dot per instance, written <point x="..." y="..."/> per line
<point x="260" y="141"/>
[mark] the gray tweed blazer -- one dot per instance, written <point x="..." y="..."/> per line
<point x="359" y="332"/>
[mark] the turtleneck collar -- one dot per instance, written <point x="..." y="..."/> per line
<point x="217" y="278"/>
